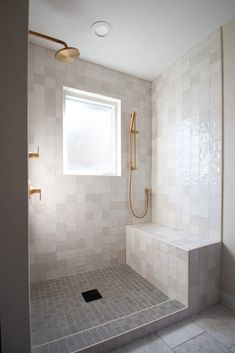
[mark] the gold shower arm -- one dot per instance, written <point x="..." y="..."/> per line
<point x="52" y="39"/>
<point x="66" y="54"/>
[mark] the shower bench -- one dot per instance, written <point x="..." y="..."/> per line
<point x="184" y="267"/>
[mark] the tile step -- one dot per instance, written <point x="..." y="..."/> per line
<point x="110" y="335"/>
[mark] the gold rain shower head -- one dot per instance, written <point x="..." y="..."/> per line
<point x="66" y="54"/>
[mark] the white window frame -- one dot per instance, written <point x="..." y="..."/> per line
<point x="84" y="96"/>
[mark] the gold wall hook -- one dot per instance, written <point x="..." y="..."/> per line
<point x="34" y="154"/>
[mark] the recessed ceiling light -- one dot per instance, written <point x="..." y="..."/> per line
<point x="101" y="28"/>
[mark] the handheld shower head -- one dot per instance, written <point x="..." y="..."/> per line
<point x="132" y="123"/>
<point x="66" y="54"/>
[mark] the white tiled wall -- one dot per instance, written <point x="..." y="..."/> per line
<point x="188" y="274"/>
<point x="204" y="277"/>
<point x="80" y="223"/>
<point x="187" y="138"/>
<point x="162" y="264"/>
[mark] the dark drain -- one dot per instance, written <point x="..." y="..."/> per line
<point x="91" y="295"/>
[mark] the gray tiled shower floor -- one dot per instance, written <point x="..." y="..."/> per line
<point x="58" y="309"/>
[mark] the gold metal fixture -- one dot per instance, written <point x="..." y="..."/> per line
<point x="66" y="54"/>
<point x="32" y="191"/>
<point x="34" y="154"/>
<point x="132" y="133"/>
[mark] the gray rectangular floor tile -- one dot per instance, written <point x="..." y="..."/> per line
<point x="219" y="322"/>
<point x="149" y="344"/>
<point x="179" y="333"/>
<point x="203" y="343"/>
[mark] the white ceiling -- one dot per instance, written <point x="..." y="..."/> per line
<point x="147" y="36"/>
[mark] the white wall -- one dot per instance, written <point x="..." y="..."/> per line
<point x="80" y="223"/>
<point x="228" y="273"/>
<point x="187" y="140"/>
<point x="14" y="281"/>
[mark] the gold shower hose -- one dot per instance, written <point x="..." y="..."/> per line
<point x="132" y="133"/>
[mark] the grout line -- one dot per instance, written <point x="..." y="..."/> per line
<point x="111" y="321"/>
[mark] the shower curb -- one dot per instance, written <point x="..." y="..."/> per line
<point x="140" y="332"/>
<point x="115" y="341"/>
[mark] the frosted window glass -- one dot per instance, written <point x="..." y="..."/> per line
<point x="90" y="137"/>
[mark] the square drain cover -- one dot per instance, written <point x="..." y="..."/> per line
<point x="91" y="295"/>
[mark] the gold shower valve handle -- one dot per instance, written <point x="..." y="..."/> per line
<point x="32" y="191"/>
<point x="34" y="154"/>
<point x="36" y="191"/>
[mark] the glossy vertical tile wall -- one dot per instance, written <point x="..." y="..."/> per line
<point x="187" y="138"/>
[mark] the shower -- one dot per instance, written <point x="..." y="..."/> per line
<point x="132" y="133"/>
<point x="66" y="54"/>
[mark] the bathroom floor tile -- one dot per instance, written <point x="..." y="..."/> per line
<point x="58" y="308"/>
<point x="203" y="343"/>
<point x="219" y="322"/>
<point x="179" y="333"/>
<point x="149" y="344"/>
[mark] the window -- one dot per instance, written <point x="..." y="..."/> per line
<point x="91" y="134"/>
